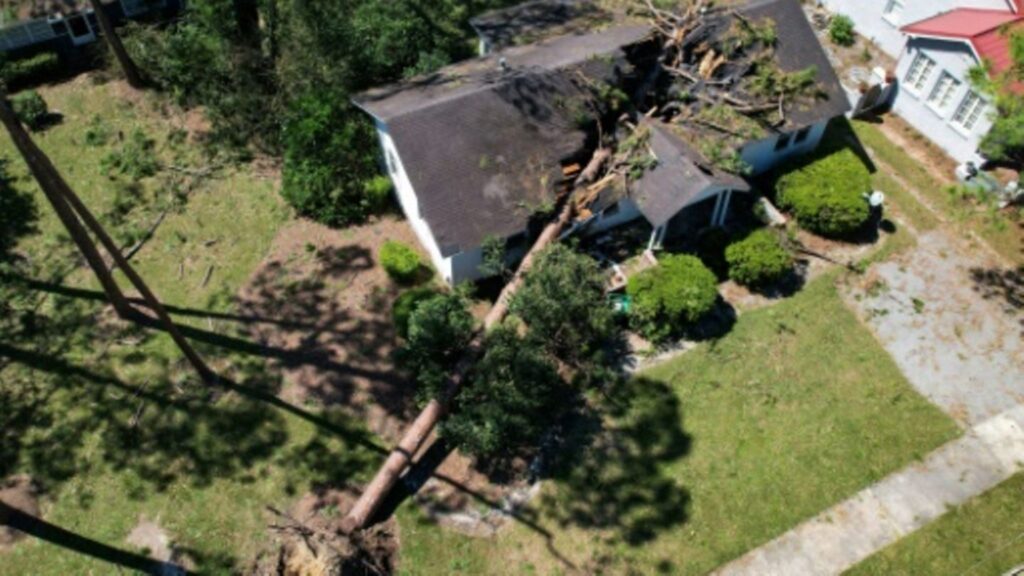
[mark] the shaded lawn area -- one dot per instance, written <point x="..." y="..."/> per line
<point x="794" y="410"/>
<point x="983" y="536"/>
<point x="105" y="415"/>
<point x="1001" y="232"/>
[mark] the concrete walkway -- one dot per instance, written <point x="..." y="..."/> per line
<point x="962" y="351"/>
<point x="837" y="539"/>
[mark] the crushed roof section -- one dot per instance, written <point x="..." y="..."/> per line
<point x="797" y="48"/>
<point x="679" y="177"/>
<point x="484" y="146"/>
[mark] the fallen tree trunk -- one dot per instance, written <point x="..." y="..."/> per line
<point x="418" y="433"/>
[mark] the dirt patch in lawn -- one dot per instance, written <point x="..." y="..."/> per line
<point x="22" y="493"/>
<point x="321" y="307"/>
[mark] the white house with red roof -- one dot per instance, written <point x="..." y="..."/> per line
<point x="936" y="43"/>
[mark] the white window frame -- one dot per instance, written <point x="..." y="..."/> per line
<point x="919" y="73"/>
<point x="967" y="114"/>
<point x="942" y="93"/>
<point x="893" y="11"/>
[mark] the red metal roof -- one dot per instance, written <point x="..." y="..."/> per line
<point x="981" y="28"/>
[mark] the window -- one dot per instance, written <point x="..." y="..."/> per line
<point x="943" y="92"/>
<point x="969" y="111"/>
<point x="610" y="211"/>
<point x="802" y="135"/>
<point x="392" y="163"/>
<point x="893" y="11"/>
<point x="920" y="70"/>
<point x="783" y="142"/>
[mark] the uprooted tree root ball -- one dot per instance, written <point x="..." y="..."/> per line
<point x="309" y="541"/>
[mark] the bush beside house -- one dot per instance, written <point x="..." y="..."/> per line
<point x="827" y="196"/>
<point x="401" y="262"/>
<point x="759" y="259"/>
<point x="677" y="293"/>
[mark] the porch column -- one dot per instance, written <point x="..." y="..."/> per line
<point x="657" y="237"/>
<point x="718" y="208"/>
<point x="724" y="199"/>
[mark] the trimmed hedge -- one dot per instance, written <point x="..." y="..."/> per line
<point x="678" y="292"/>
<point x="827" y="196"/>
<point x="758" y="259"/>
<point x="31" y="109"/>
<point x="401" y="262"/>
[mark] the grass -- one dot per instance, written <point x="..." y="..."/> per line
<point x="106" y="416"/>
<point x="771" y="436"/>
<point x="983" y="536"/>
<point x="1000" y="231"/>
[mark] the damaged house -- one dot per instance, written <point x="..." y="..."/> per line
<point x="485" y="148"/>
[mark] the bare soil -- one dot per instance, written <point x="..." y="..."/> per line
<point x="22" y="493"/>
<point x="321" y="306"/>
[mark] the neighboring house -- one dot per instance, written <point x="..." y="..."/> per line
<point x="479" y="148"/>
<point x="936" y="43"/>
<point x="63" y="26"/>
<point x="882" y="20"/>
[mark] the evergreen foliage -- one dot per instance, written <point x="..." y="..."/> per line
<point x="440" y="328"/>
<point x="562" y="301"/>
<point x="513" y="397"/>
<point x="827" y="195"/>
<point x="759" y="259"/>
<point x="672" y="296"/>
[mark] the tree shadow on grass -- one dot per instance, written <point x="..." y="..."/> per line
<point x="18" y="213"/>
<point x="59" y="536"/>
<point x="612" y="476"/>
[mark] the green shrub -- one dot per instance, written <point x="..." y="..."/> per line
<point x="31" y="109"/>
<point x="758" y="259"/>
<point x="377" y="193"/>
<point x="401" y="262"/>
<point x="406" y="304"/>
<point x="827" y="196"/>
<point x="668" y="298"/>
<point x="29" y="71"/>
<point x="841" y="30"/>
<point x="135" y="159"/>
<point x="329" y="158"/>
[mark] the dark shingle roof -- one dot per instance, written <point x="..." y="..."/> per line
<point x="679" y="177"/>
<point x="482" y="146"/>
<point x="796" y="49"/>
<point x="532" y="21"/>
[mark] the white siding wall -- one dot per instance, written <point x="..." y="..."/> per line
<point x="868" y="16"/>
<point x="762" y="156"/>
<point x="955" y="58"/>
<point x="410" y="204"/>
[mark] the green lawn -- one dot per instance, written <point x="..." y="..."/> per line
<point x="733" y="443"/>
<point x="106" y="416"/>
<point x="999" y="230"/>
<point x="985" y="536"/>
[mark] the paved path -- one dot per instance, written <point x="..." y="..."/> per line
<point x="960" y="350"/>
<point x="837" y="539"/>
